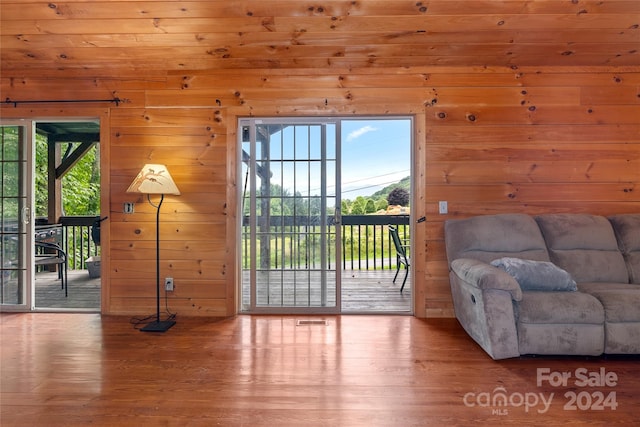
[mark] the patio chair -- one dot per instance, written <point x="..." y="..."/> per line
<point x="52" y="254"/>
<point x="401" y="255"/>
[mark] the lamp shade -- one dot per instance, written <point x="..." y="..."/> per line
<point x="153" y="179"/>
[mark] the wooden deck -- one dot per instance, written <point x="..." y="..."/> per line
<point x="375" y="292"/>
<point x="84" y="292"/>
<point x="362" y="292"/>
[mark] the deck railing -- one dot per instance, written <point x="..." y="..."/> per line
<point x="77" y="241"/>
<point x="366" y="243"/>
<point x="289" y="242"/>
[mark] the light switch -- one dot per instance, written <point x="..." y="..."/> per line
<point x="443" y="208"/>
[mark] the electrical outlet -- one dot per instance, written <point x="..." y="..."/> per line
<point x="168" y="284"/>
<point x="443" y="208"/>
<point x="128" y="208"/>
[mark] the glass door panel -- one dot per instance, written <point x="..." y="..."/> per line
<point x="289" y="254"/>
<point x="15" y="216"/>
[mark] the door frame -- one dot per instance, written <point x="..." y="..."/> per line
<point x="416" y="122"/>
<point x="20" y="117"/>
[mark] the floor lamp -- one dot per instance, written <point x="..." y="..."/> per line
<point x="155" y="179"/>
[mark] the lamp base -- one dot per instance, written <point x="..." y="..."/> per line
<point x="158" y="326"/>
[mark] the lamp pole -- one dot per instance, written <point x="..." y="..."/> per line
<point x="158" y="259"/>
<point x="155" y="179"/>
<point x="158" y="325"/>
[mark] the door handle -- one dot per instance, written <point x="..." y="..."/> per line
<point x="26" y="215"/>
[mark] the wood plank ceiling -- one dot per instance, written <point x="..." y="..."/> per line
<point x="158" y="36"/>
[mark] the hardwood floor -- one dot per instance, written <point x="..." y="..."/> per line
<point x="82" y="369"/>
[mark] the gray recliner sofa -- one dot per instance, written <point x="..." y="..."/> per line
<point x="512" y="294"/>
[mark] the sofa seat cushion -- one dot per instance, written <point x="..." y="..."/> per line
<point x="589" y="287"/>
<point x="620" y="305"/>
<point x="627" y="230"/>
<point x="585" y="246"/>
<point x="559" y="307"/>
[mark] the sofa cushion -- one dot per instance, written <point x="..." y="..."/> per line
<point x="536" y="275"/>
<point x="572" y="338"/>
<point x="585" y="246"/>
<point x="559" y="307"/>
<point x="627" y="231"/>
<point x="589" y="287"/>
<point x="620" y="305"/>
<point x="488" y="237"/>
<point x="622" y="337"/>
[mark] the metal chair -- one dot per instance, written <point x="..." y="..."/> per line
<point x="52" y="254"/>
<point x="401" y="255"/>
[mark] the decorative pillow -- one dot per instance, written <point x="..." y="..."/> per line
<point x="536" y="275"/>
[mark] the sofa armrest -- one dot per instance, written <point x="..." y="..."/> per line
<point x="483" y="300"/>
<point x="485" y="276"/>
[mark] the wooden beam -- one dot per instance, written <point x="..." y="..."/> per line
<point x="70" y="159"/>
<point x="54" y="185"/>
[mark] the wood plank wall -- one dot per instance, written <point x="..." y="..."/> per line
<point x="488" y="140"/>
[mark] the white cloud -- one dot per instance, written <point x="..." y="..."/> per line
<point x="359" y="132"/>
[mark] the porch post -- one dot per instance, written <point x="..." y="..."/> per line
<point x="54" y="185"/>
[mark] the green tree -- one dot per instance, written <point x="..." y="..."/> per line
<point x="80" y="186"/>
<point x="381" y="204"/>
<point x="41" y="195"/>
<point x="370" y="206"/>
<point x="403" y="183"/>
<point x="10" y="176"/>
<point x="281" y="202"/>
<point x="358" y="207"/>
<point x="398" y="196"/>
<point x="346" y="206"/>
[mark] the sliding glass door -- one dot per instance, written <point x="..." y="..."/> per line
<point x="290" y="253"/>
<point x="15" y="219"/>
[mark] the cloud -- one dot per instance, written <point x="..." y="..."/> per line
<point x="359" y="132"/>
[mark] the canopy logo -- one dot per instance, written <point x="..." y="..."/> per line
<point x="588" y="397"/>
<point x="499" y="400"/>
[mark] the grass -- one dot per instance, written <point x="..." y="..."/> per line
<point x="364" y="247"/>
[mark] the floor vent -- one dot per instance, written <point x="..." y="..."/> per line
<point x="311" y="322"/>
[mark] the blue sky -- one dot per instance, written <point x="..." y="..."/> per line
<point x="375" y="153"/>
